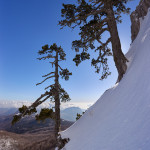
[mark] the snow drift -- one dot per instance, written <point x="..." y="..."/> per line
<point x="120" y="119"/>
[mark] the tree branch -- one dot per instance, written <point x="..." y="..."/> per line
<point x="48" y="86"/>
<point x="104" y="44"/>
<point x="45" y="80"/>
<point x="60" y="67"/>
<point x="45" y="57"/>
<point x="48" y="74"/>
<point x="82" y="17"/>
<point x="37" y="102"/>
<point x="33" y="105"/>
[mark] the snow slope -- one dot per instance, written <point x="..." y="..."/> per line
<point x="120" y="119"/>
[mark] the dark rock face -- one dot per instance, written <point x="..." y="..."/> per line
<point x="140" y="12"/>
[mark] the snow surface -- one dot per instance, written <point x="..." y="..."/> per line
<point x="120" y="119"/>
<point x="7" y="143"/>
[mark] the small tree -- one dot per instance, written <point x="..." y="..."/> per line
<point x="95" y="17"/>
<point x="55" y="92"/>
<point x="79" y="116"/>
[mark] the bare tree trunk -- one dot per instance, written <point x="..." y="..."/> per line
<point x="119" y="58"/>
<point x="57" y="101"/>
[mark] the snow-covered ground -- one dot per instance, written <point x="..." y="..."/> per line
<point x="120" y="119"/>
<point x="7" y="143"/>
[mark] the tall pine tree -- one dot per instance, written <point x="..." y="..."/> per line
<point x="54" y="91"/>
<point x="94" y="18"/>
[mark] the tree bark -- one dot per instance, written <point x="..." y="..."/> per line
<point x="57" y="101"/>
<point x="119" y="58"/>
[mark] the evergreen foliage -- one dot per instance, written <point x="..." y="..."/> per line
<point x="95" y="18"/>
<point x="23" y="109"/>
<point x="79" y="115"/>
<point x="44" y="114"/>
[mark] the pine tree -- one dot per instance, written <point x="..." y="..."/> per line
<point x="54" y="91"/>
<point x="95" y="18"/>
<point x="79" y="115"/>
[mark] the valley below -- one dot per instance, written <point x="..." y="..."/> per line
<point x="28" y="134"/>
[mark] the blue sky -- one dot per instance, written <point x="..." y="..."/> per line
<point x="26" y="25"/>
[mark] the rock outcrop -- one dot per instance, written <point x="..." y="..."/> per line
<point x="140" y="12"/>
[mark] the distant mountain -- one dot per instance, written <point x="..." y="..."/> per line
<point x="29" y="125"/>
<point x="66" y="114"/>
<point x="7" y="111"/>
<point x="71" y="113"/>
<point x="68" y="110"/>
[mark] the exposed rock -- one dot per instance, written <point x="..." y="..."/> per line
<point x="140" y="12"/>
